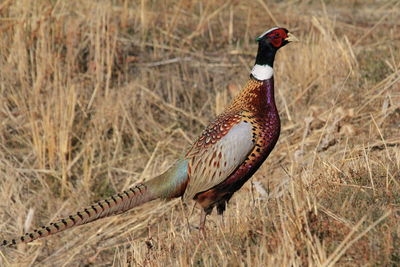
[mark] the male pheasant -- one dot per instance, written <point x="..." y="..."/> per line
<point x="219" y="162"/>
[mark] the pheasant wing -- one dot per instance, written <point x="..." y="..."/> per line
<point x="213" y="161"/>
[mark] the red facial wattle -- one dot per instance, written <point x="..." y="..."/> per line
<point x="277" y="42"/>
<point x="276" y="37"/>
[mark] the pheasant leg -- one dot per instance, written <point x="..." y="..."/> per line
<point x="203" y="217"/>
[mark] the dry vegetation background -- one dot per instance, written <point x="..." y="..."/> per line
<point x="96" y="96"/>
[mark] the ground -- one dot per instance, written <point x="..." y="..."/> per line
<point x="96" y="96"/>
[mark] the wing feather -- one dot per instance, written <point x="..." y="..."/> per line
<point x="215" y="163"/>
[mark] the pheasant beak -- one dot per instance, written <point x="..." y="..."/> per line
<point x="291" y="38"/>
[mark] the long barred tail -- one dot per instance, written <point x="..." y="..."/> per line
<point x="116" y="204"/>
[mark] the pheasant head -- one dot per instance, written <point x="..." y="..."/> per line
<point x="268" y="44"/>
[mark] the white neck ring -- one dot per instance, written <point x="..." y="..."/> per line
<point x="262" y="72"/>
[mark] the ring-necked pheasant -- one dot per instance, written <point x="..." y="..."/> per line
<point x="219" y="162"/>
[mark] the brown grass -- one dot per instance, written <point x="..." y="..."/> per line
<point x="98" y="95"/>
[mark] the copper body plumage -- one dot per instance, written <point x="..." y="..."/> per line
<point x="256" y="106"/>
<point x="226" y="154"/>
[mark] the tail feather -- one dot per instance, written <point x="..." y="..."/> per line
<point x="116" y="204"/>
<point x="170" y="184"/>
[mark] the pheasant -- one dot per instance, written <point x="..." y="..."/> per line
<point x="226" y="154"/>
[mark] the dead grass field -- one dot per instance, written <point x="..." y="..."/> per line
<point x="96" y="96"/>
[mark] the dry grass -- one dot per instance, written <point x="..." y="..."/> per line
<point x="98" y="95"/>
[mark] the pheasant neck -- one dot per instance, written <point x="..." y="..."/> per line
<point x="263" y="68"/>
<point x="269" y="91"/>
<point x="266" y="54"/>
